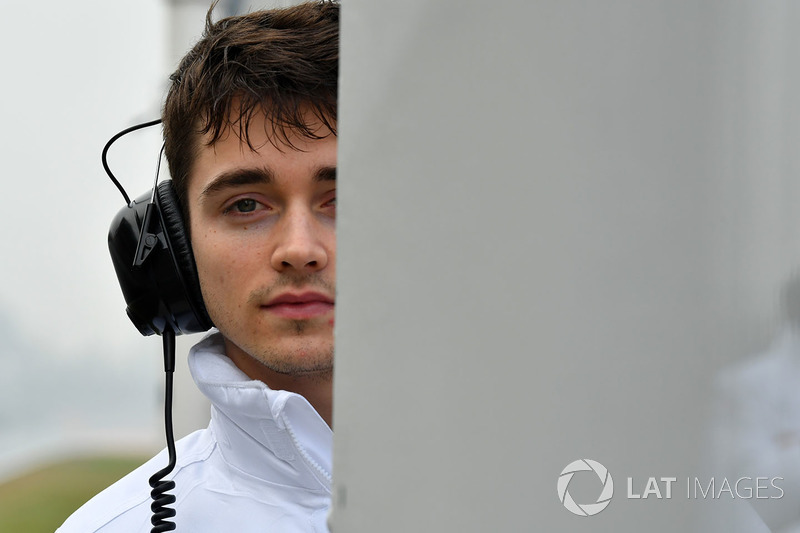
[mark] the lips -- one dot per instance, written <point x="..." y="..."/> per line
<point x="300" y="306"/>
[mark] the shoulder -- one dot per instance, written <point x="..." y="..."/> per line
<point x="125" y="505"/>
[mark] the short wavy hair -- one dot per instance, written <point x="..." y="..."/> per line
<point x="281" y="62"/>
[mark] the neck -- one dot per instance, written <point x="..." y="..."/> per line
<point x="316" y="387"/>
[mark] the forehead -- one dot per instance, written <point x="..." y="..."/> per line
<point x="288" y="153"/>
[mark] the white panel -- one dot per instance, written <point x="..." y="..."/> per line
<point x="560" y="223"/>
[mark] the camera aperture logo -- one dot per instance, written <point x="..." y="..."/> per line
<point x="585" y="509"/>
<point x="661" y="487"/>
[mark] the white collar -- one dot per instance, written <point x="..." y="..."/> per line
<point x="275" y="435"/>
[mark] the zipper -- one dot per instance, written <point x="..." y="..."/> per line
<point x="304" y="454"/>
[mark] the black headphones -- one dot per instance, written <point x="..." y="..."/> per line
<point x="153" y="258"/>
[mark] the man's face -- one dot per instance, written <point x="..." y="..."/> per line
<point x="263" y="234"/>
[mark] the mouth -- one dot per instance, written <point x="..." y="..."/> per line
<point x="300" y="306"/>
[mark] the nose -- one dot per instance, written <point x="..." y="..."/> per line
<point x="300" y="244"/>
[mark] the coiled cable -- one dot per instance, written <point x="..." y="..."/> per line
<point x="161" y="487"/>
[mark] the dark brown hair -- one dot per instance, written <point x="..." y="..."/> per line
<point x="282" y="62"/>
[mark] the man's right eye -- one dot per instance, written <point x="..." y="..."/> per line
<point x="245" y="205"/>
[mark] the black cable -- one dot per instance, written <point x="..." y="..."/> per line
<point x="108" y="145"/>
<point x="161" y="487"/>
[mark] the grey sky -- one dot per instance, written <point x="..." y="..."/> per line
<point x="76" y="72"/>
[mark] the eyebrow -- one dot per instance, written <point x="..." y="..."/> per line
<point x="257" y="176"/>
<point x="325" y="174"/>
<point x="236" y="177"/>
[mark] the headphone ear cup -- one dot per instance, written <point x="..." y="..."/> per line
<point x="181" y="250"/>
<point x="161" y="287"/>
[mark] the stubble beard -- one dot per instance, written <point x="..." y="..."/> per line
<point x="298" y="362"/>
<point x="308" y="356"/>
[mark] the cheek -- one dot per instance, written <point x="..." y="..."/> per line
<point x="212" y="261"/>
<point x="226" y="263"/>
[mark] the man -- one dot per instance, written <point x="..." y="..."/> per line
<point x="249" y="129"/>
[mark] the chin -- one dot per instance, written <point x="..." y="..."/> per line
<point x="290" y="359"/>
